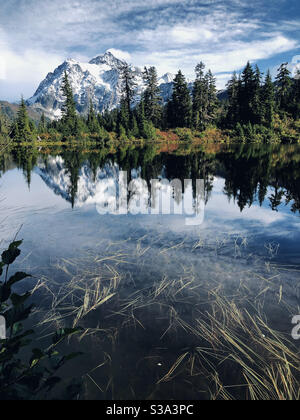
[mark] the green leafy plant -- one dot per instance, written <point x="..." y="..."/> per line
<point x="22" y="379"/>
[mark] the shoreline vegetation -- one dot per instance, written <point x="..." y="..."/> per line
<point x="181" y="332"/>
<point x="255" y="109"/>
<point x="27" y="372"/>
<point x="204" y="339"/>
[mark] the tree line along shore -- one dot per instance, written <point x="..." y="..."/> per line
<point x="255" y="108"/>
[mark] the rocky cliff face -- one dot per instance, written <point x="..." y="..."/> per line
<point x="99" y="81"/>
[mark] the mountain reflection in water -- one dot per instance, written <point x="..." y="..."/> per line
<point x="162" y="280"/>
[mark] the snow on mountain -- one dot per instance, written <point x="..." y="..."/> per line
<point x="101" y="188"/>
<point x="295" y="69"/>
<point x="90" y="189"/>
<point x="99" y="81"/>
<point x="166" y="78"/>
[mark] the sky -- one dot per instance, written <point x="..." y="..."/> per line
<point x="37" y="35"/>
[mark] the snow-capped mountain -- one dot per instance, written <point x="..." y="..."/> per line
<point x="98" y="80"/>
<point x="98" y="188"/>
<point x="90" y="188"/>
<point x="295" y="67"/>
<point x="101" y="188"/>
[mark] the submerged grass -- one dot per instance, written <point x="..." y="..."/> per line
<point x="181" y="336"/>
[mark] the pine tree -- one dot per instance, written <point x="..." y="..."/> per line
<point x="92" y="121"/>
<point x="247" y="93"/>
<point x="233" y="88"/>
<point x="42" y="128"/>
<point x="3" y="125"/>
<point x="152" y="97"/>
<point x="181" y="115"/>
<point x="124" y="117"/>
<point x="257" y="111"/>
<point x="128" y="86"/>
<point x="69" y="116"/>
<point x="283" y="87"/>
<point x="109" y="120"/>
<point x="268" y="101"/>
<point x="212" y="100"/>
<point x="141" y="119"/>
<point x="134" y="132"/>
<point x="22" y="130"/>
<point x="200" y="97"/>
<point x="80" y="126"/>
<point x="296" y="95"/>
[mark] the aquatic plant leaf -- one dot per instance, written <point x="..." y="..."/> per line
<point x="17" y="328"/>
<point x="64" y="333"/>
<point x="17" y="277"/>
<point x="5" y="292"/>
<point x="9" y="256"/>
<point x="17" y="314"/>
<point x="15" y="244"/>
<point x="18" y="300"/>
<point x="37" y="356"/>
<point x="1" y="268"/>
<point x="71" y="356"/>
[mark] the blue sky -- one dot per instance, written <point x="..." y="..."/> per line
<point x="37" y="35"/>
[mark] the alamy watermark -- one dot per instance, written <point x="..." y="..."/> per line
<point x="159" y="196"/>
<point x="2" y="328"/>
<point x="296" y="329"/>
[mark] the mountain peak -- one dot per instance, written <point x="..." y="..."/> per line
<point x="99" y="80"/>
<point x="166" y="78"/>
<point x="70" y="60"/>
<point x="107" y="58"/>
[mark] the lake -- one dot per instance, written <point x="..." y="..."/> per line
<point x="169" y="308"/>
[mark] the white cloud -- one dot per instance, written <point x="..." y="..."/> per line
<point x="3" y="71"/>
<point x="221" y="59"/>
<point x="122" y="55"/>
<point x="294" y="66"/>
<point x="185" y="35"/>
<point x="238" y="53"/>
<point x="219" y="206"/>
<point x="170" y="34"/>
<point x="28" y="67"/>
<point x="31" y="66"/>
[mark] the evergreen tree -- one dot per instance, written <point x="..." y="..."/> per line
<point x="205" y="101"/>
<point x="124" y="117"/>
<point x="69" y="116"/>
<point x="128" y="87"/>
<point x="152" y="98"/>
<point x="145" y="128"/>
<point x="134" y="132"/>
<point x="109" y="120"/>
<point x="22" y="131"/>
<point x="257" y="111"/>
<point x="42" y="128"/>
<point x="296" y="95"/>
<point x="141" y="119"/>
<point x="200" y="97"/>
<point x="233" y="88"/>
<point x="247" y="94"/>
<point x="168" y="114"/>
<point x="283" y="86"/>
<point x="80" y="126"/>
<point x="212" y="100"/>
<point x="92" y="121"/>
<point x="3" y="125"/>
<point x="181" y="106"/>
<point x="268" y="101"/>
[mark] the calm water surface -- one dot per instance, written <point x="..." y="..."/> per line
<point x="251" y="231"/>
